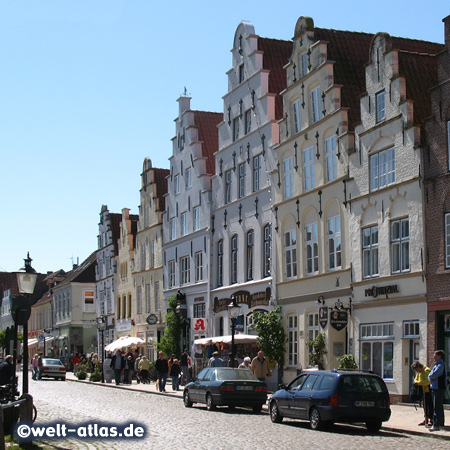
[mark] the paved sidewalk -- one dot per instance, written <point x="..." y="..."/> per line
<point x="404" y="418"/>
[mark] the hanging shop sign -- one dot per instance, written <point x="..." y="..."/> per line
<point x="243" y="298"/>
<point x="338" y="319"/>
<point x="323" y="316"/>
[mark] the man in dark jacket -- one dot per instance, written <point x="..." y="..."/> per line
<point x="162" y="367"/>
<point x="6" y="370"/>
<point x="117" y="364"/>
<point x="184" y="361"/>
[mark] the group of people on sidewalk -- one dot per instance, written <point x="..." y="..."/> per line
<point x="434" y="384"/>
<point x="177" y="369"/>
<point x="130" y="364"/>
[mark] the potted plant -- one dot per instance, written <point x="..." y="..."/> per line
<point x="82" y="372"/>
<point x="317" y="348"/>
<point x="347" y="362"/>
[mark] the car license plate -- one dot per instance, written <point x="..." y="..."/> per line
<point x="366" y="404"/>
<point x="244" y="388"/>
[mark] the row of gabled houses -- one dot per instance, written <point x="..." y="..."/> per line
<point x="322" y="187"/>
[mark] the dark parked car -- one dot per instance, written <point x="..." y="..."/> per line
<point x="226" y="386"/>
<point x="324" y="397"/>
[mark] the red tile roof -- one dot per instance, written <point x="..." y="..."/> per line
<point x="160" y="180"/>
<point x="208" y="135"/>
<point x="276" y="55"/>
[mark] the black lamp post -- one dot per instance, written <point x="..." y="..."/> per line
<point x="101" y="326"/>
<point x="21" y="310"/>
<point x="182" y="312"/>
<point x="233" y="310"/>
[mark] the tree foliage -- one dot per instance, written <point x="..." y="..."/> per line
<point x="347" y="362"/>
<point x="317" y="348"/>
<point x="271" y="334"/>
<point x="3" y="339"/>
<point x="170" y="342"/>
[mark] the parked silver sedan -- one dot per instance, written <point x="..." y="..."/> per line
<point x="53" y="368"/>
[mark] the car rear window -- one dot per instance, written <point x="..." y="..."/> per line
<point x="52" y="362"/>
<point x="362" y="383"/>
<point x="237" y="374"/>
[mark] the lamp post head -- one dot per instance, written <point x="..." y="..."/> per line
<point x="26" y="277"/>
<point x="233" y="307"/>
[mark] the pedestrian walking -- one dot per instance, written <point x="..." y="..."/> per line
<point x="215" y="361"/>
<point x="40" y="366"/>
<point x="438" y="378"/>
<point x="128" y="370"/>
<point x="184" y="361"/>
<point x="117" y="364"/>
<point x="175" y="372"/>
<point x="246" y="364"/>
<point x="260" y="367"/>
<point x="35" y="367"/>
<point x="162" y="369"/>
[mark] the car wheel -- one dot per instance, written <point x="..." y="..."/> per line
<point x="373" y="425"/>
<point x="210" y="406"/>
<point x="275" y="415"/>
<point x="257" y="408"/>
<point x="186" y="400"/>
<point x="315" y="420"/>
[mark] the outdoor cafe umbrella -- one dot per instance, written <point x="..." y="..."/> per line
<point x="124" y="342"/>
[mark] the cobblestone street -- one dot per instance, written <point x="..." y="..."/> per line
<point x="172" y="426"/>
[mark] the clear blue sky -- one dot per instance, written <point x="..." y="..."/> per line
<point x="89" y="87"/>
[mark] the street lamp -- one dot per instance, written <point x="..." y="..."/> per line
<point x="233" y="310"/>
<point x="182" y="312"/>
<point x="21" y="310"/>
<point x="101" y="326"/>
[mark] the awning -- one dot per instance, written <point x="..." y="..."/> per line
<point x="63" y="337"/>
<point x="49" y="338"/>
<point x="32" y="341"/>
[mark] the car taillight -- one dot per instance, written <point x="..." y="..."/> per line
<point x="62" y="369"/>
<point x="334" y="400"/>
<point x="261" y="389"/>
<point x="226" y="388"/>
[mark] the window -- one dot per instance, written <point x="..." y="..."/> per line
<point x="303" y="64"/>
<point x="143" y="256"/>
<point x="411" y="329"/>
<point x="198" y="266"/>
<point x="146" y="215"/>
<point x="312" y="249"/>
<point x="290" y="254"/>
<point x="188" y="176"/>
<point x="370" y="251"/>
<point x="139" y="300"/>
<point x="257" y="173"/>
<point x="199" y="310"/>
<point x="308" y="168"/>
<point x="89" y="301"/>
<point x="331" y="158"/>
<point x="228" y="174"/>
<point x="197" y="218"/>
<point x="334" y="242"/>
<point x="382" y="169"/>
<point x="297" y="116"/>
<point x="185" y="270"/>
<point x="152" y="254"/>
<point x="172" y="229"/>
<point x="250" y="245"/>
<point x="377" y="349"/>
<point x="176" y="184"/>
<point x="148" y="306"/>
<point x="447" y="240"/>
<point x="380" y="106"/>
<point x="184" y="226"/>
<point x="234" y="259"/>
<point x="241" y="73"/>
<point x="288" y="168"/>
<point x="171" y="273"/>
<point x="156" y="295"/>
<point x="315" y="104"/>
<point x="312" y="328"/>
<point x="241" y="180"/>
<point x="220" y="263"/>
<point x="292" y="340"/>
<point x="248" y="121"/>
<point x="236" y="129"/>
<point x="400" y="245"/>
<point x="267" y="249"/>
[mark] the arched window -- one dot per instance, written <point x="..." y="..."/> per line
<point x="250" y="247"/>
<point x="234" y="259"/>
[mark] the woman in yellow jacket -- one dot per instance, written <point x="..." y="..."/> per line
<point x="421" y="379"/>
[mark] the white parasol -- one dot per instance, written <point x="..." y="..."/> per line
<point x="124" y="342"/>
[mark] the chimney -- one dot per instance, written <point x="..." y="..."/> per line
<point x="446" y="21"/>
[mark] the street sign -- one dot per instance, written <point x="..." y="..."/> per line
<point x="41" y="337"/>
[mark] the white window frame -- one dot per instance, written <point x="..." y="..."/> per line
<point x="400" y="254"/>
<point x="297" y="111"/>
<point x="309" y="168"/>
<point x="411" y="329"/>
<point x="152" y="255"/>
<point x="242" y="173"/>
<point x="312" y="248"/>
<point x="267" y="250"/>
<point x="184" y="223"/>
<point x="288" y="175"/>
<point x="312" y="329"/>
<point x="250" y="253"/>
<point x="234" y="248"/>
<point x="143" y="256"/>
<point x="235" y="128"/>
<point x="171" y="273"/>
<point x="331" y="158"/>
<point x="172" y="228"/>
<point x="139" y="300"/>
<point x="290" y="254"/>
<point x="257" y="172"/>
<point x="382" y="169"/>
<point x="148" y="305"/>
<point x="198" y="267"/>
<point x="248" y="121"/>
<point x="370" y="252"/>
<point x="380" y="106"/>
<point x="292" y="334"/>
<point x="156" y="296"/>
<point x="176" y="184"/>
<point x="185" y="269"/>
<point x="303" y="64"/>
<point x="188" y="174"/>
<point x="228" y="185"/>
<point x="197" y="219"/>
<point x="316" y="109"/>
<point x="220" y="263"/>
<point x="334" y="242"/>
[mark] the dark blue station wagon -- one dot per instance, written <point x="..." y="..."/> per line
<point x="325" y="397"/>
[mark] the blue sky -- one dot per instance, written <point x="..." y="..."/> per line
<point x="89" y="89"/>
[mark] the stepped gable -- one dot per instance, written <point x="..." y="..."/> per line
<point x="276" y="54"/>
<point x="206" y="123"/>
<point x="350" y="51"/>
<point x="160" y="181"/>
